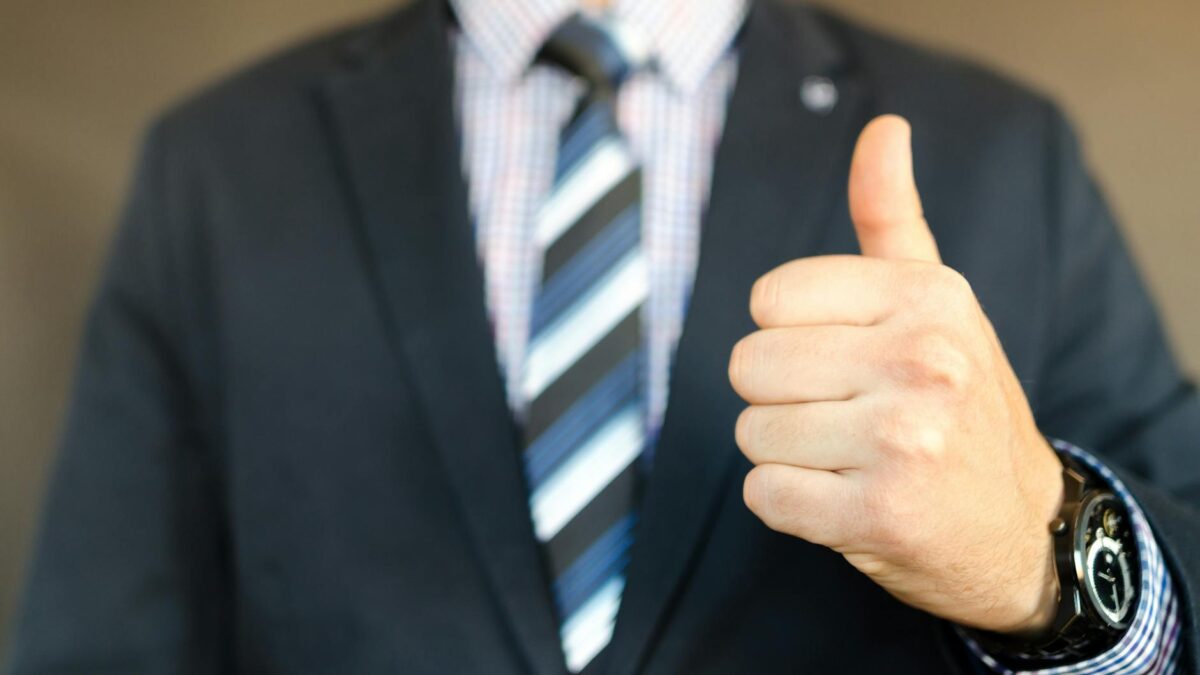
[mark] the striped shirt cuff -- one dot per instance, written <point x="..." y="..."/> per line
<point x="1152" y="642"/>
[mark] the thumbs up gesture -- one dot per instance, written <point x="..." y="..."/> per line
<point x="885" y="421"/>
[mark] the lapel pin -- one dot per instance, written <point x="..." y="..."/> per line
<point x="818" y="94"/>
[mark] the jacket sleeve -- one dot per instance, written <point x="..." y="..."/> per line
<point x="1109" y="382"/>
<point x="128" y="569"/>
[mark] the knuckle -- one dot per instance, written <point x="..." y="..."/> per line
<point x="773" y="428"/>
<point x="764" y="299"/>
<point x="950" y="287"/>
<point x="954" y="282"/>
<point x="754" y="489"/>
<point x="749" y="365"/>
<point x="744" y="431"/>
<point x="768" y="497"/>
<point x="933" y="359"/>
<point x="740" y="362"/>
<point x="759" y="430"/>
<point x="903" y="437"/>
<point x="782" y="497"/>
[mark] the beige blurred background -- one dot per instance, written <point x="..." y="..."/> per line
<point x="78" y="80"/>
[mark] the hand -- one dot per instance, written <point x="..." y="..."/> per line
<point x="885" y="421"/>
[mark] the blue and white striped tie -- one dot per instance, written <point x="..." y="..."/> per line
<point x="585" y="425"/>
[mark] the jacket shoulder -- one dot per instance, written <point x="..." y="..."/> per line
<point x="933" y="87"/>
<point x="271" y="90"/>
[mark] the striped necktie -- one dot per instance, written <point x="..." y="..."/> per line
<point x="585" y="424"/>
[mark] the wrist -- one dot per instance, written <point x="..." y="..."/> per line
<point x="1041" y="620"/>
<point x="1045" y="489"/>
<point x="1096" y="570"/>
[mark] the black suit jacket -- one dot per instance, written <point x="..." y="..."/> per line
<point x="289" y="449"/>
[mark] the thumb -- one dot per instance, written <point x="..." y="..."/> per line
<point x="884" y="203"/>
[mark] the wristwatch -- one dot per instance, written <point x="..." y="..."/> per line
<point x="1096" y="562"/>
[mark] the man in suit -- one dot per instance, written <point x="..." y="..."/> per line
<point x="414" y="354"/>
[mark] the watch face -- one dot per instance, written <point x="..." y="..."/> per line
<point x="1109" y="560"/>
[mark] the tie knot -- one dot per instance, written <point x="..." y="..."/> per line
<point x="600" y="53"/>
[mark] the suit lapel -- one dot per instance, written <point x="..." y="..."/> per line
<point x="393" y="121"/>
<point x="779" y="178"/>
<point x="779" y="175"/>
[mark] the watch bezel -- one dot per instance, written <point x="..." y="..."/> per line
<point x="1088" y="507"/>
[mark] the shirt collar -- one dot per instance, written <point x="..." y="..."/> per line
<point x="686" y="38"/>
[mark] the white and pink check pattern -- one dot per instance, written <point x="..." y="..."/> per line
<point x="511" y="112"/>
